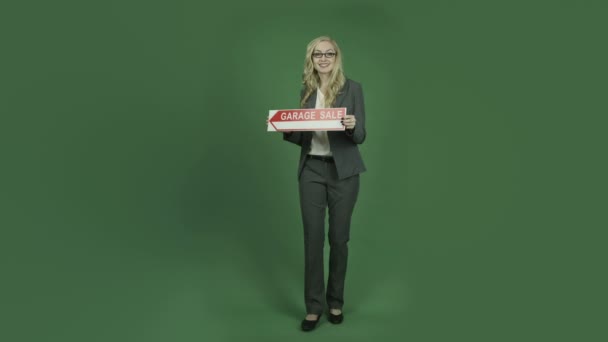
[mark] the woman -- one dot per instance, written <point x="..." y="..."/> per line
<point x="328" y="175"/>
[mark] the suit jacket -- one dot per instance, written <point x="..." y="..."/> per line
<point x="343" y="144"/>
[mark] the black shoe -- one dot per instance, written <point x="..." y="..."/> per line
<point x="310" y="325"/>
<point x="335" y="319"/>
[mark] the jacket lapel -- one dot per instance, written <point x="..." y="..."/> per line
<point x="341" y="95"/>
<point x="312" y="100"/>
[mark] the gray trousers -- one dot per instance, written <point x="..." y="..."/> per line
<point x="320" y="189"/>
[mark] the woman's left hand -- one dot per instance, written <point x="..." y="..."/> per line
<point x="349" y="121"/>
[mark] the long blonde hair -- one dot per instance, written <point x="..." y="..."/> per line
<point x="311" y="79"/>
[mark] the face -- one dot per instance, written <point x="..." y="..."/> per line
<point x="320" y="59"/>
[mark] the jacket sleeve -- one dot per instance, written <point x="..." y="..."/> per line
<point x="357" y="134"/>
<point x="293" y="137"/>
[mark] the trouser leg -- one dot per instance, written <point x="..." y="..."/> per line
<point x="313" y="204"/>
<point x="342" y="196"/>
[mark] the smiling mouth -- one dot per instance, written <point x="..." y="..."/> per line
<point x="324" y="65"/>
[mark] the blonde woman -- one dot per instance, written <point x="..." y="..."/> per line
<point x="328" y="176"/>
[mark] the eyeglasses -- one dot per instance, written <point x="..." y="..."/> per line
<point x="326" y="54"/>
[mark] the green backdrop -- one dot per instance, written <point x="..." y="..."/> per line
<point x="143" y="200"/>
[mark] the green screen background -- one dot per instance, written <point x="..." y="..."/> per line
<point x="143" y="200"/>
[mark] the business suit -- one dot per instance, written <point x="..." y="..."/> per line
<point x="332" y="185"/>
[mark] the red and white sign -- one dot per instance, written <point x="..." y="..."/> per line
<point x="321" y="119"/>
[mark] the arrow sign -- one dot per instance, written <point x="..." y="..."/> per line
<point x="311" y="119"/>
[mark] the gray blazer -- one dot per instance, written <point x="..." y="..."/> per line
<point x="343" y="144"/>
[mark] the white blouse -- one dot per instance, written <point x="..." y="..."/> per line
<point x="320" y="143"/>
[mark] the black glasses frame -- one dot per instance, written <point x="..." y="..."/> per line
<point x="326" y="54"/>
